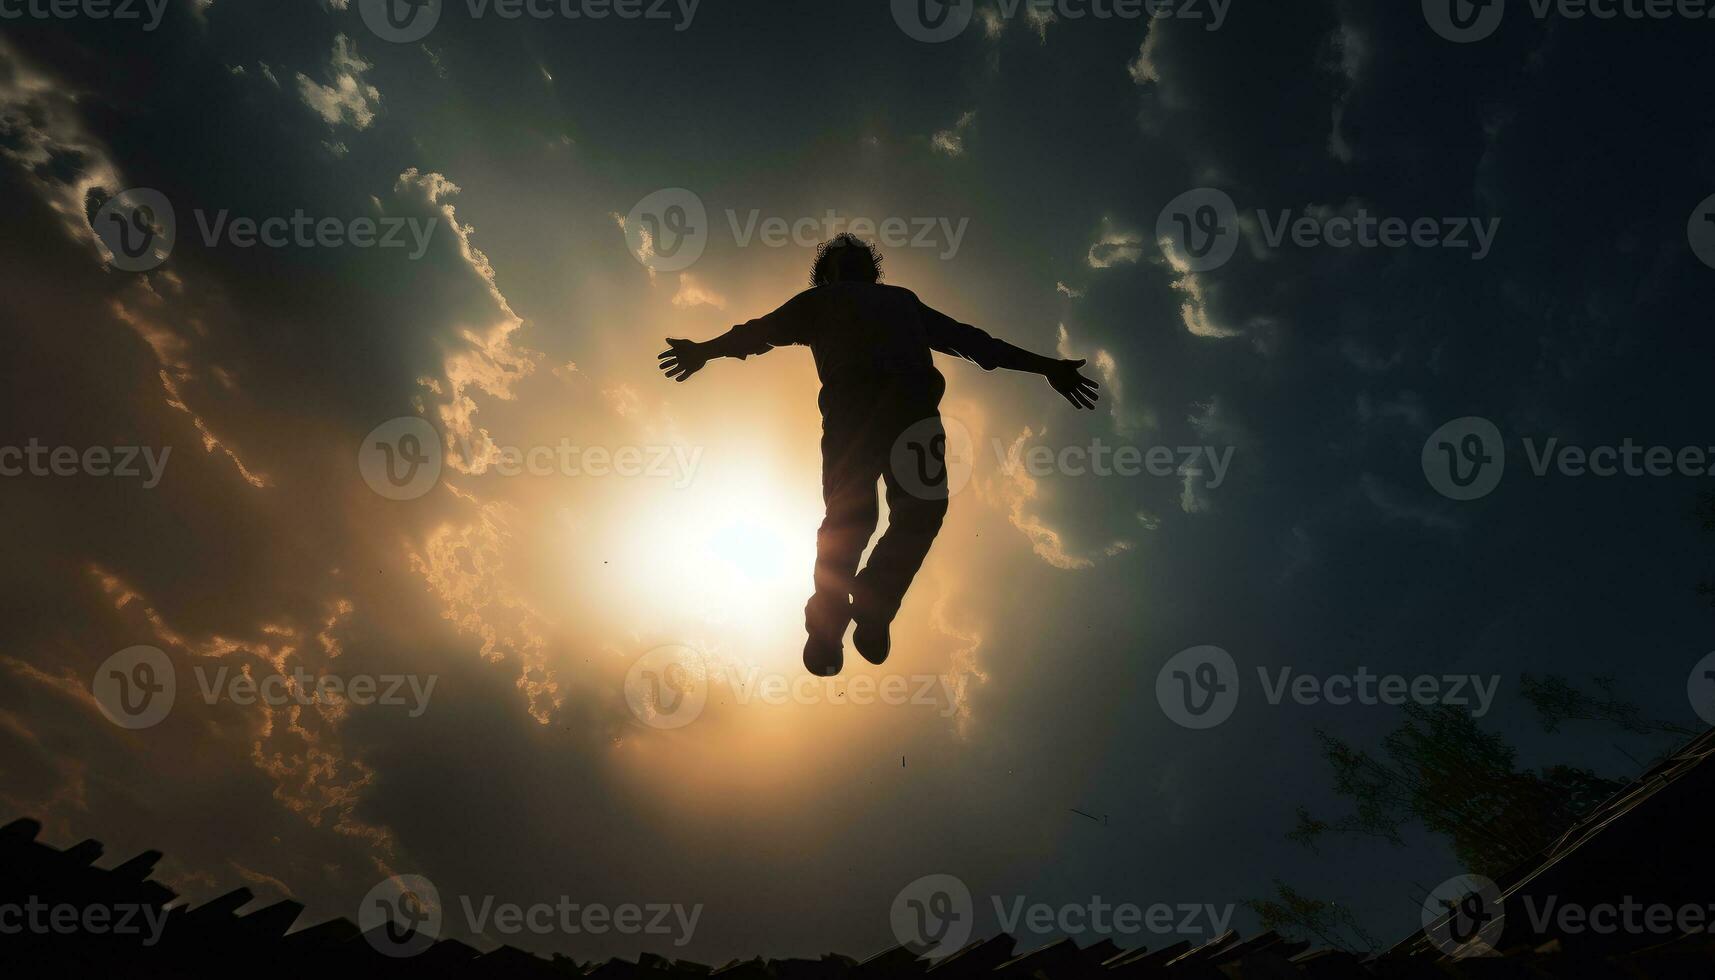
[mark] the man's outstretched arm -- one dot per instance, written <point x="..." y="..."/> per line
<point x="784" y="326"/>
<point x="949" y="336"/>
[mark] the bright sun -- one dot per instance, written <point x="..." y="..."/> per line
<point x="734" y="555"/>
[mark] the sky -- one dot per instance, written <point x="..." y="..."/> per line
<point x="473" y="237"/>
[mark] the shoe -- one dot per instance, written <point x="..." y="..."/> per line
<point x="871" y="636"/>
<point x="822" y="658"/>
<point x="825" y="621"/>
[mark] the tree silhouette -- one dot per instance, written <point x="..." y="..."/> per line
<point x="1442" y="772"/>
<point x="1557" y="701"/>
<point x="1295" y="914"/>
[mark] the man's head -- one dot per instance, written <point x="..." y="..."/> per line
<point x="845" y="258"/>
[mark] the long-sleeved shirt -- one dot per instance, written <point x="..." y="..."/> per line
<point x="871" y="342"/>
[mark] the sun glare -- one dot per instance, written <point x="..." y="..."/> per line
<point x="732" y="555"/>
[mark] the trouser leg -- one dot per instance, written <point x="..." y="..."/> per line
<point x="916" y="505"/>
<point x="849" y="472"/>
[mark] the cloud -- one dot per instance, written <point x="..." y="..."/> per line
<point x="296" y="745"/>
<point x="692" y="294"/>
<point x="1194" y="311"/>
<point x="465" y="566"/>
<point x="1143" y="70"/>
<point x="489" y="362"/>
<point x="1017" y="489"/>
<point x="1395" y="506"/>
<point x="145" y="312"/>
<point x="1039" y="16"/>
<point x="952" y="141"/>
<point x="1407" y="406"/>
<point x="1352" y="54"/>
<point x="1115" y="246"/>
<point x="1106" y="367"/>
<point x="45" y="137"/>
<point x="963" y="670"/>
<point x="350" y="99"/>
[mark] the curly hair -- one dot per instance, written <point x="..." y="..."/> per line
<point x="846" y="253"/>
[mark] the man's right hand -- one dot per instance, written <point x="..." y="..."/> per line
<point x="1071" y="385"/>
<point x="682" y="358"/>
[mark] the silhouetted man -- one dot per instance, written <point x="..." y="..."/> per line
<point x="871" y="344"/>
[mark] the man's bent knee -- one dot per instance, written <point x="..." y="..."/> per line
<point x="919" y="513"/>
